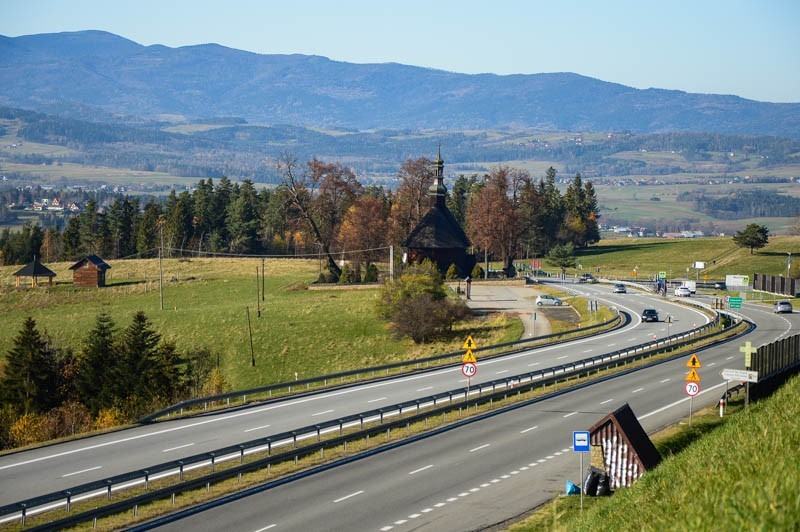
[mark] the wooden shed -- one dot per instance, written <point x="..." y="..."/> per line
<point x="626" y="447"/>
<point x="89" y="272"/>
<point x="34" y="270"/>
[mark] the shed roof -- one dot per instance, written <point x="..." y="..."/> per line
<point x="35" y="269"/>
<point x="94" y="259"/>
<point x="633" y="433"/>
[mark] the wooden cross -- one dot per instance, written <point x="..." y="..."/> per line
<point x="748" y="350"/>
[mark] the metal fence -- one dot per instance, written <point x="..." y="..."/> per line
<point x="776" y="284"/>
<point x="776" y="358"/>
<point x="445" y="400"/>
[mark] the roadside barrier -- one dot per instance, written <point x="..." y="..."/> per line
<point x="403" y="414"/>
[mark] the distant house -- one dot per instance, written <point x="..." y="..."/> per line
<point x="89" y="272"/>
<point x="34" y="270"/>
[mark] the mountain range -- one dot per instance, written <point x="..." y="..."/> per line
<point x="104" y="76"/>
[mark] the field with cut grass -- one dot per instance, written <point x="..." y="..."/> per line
<point x="304" y="331"/>
<point x="617" y="258"/>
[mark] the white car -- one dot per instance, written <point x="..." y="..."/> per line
<point x="546" y="299"/>
<point x="683" y="291"/>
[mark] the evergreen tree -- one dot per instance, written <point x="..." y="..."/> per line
<point x="71" y="239"/>
<point x="139" y="361"/>
<point x="147" y="237"/>
<point x="29" y="382"/>
<point x="241" y="219"/>
<point x="98" y="363"/>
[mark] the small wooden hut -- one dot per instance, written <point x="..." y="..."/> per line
<point x="34" y="270"/>
<point x="89" y="272"/>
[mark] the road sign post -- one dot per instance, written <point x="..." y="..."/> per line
<point x="692" y="387"/>
<point x="469" y="366"/>
<point x="580" y="444"/>
<point x="748" y="351"/>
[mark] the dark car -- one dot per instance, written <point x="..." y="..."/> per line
<point x="720" y="285"/>
<point x="649" y="314"/>
<point x="587" y="278"/>
<point x="781" y="307"/>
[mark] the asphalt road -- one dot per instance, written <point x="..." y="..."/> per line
<point x="487" y="472"/>
<point x="30" y="473"/>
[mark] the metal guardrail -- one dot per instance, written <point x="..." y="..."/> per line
<point x="597" y="363"/>
<point x="422" y="363"/>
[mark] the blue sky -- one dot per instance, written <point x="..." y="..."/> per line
<point x="747" y="48"/>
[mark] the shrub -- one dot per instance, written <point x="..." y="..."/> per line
<point x="452" y="273"/>
<point x="477" y="272"/>
<point x="28" y="429"/>
<point x="109" y="417"/>
<point x="371" y="276"/>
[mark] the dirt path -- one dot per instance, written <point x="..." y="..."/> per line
<point x="516" y="299"/>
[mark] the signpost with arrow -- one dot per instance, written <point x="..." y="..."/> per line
<point x="692" y="387"/>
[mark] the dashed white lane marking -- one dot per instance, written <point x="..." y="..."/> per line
<point x="528" y="430"/>
<point x="258" y="428"/>
<point x="534" y="364"/>
<point x="611" y="345"/>
<point x="463" y="494"/>
<point x="607" y="401"/>
<point x="729" y="358"/>
<point x="176" y="448"/>
<point x="321" y="413"/>
<point x="340" y="499"/>
<point x="376" y="400"/>
<point x="501" y="371"/>
<point x="81" y="471"/>
<point x="273" y="525"/>
<point x="712" y="364"/>
<point x="479" y="448"/>
<point x="665" y="380"/>
<point x="452" y="499"/>
<point x="571" y="414"/>
<point x="439" y="504"/>
<point x="561" y="358"/>
<point x="414" y="516"/>
<point x="401" y="521"/>
<point x="420" y="469"/>
<point x="423" y="389"/>
<point x="637" y="390"/>
<point x="427" y="510"/>
<point x="386" y="528"/>
<point x="588" y="350"/>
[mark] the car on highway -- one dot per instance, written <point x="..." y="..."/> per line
<point x="587" y="278"/>
<point x="649" y="314"/>
<point x="720" y="285"/>
<point x="546" y="299"/>
<point x="782" y="307"/>
<point x="683" y="291"/>
<point x="619" y="289"/>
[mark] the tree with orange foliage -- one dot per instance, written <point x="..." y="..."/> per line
<point x="365" y="227"/>
<point x="410" y="201"/>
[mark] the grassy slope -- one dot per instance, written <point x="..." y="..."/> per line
<point x="617" y="258"/>
<point x="309" y="332"/>
<point x="742" y="475"/>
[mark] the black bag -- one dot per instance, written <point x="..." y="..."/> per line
<point x="591" y="479"/>
<point x="603" y="488"/>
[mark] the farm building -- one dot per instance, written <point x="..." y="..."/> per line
<point x="438" y="236"/>
<point x="89" y="272"/>
<point x="34" y="270"/>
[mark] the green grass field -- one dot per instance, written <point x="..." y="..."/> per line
<point x="311" y="332"/>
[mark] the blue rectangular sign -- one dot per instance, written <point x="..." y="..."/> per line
<point x="580" y="441"/>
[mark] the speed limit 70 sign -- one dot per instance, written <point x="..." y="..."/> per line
<point x="469" y="369"/>
<point x="692" y="388"/>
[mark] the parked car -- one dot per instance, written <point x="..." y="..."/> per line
<point x="781" y="307"/>
<point x="546" y="299"/>
<point x="683" y="291"/>
<point x="619" y="289"/>
<point x="649" y="314"/>
<point x="587" y="278"/>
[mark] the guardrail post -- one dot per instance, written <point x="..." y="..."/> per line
<point x="381" y="411"/>
<point x="360" y="417"/>
<point x="244" y="399"/>
<point x="318" y="433"/>
<point x="24" y="514"/>
<point x="181" y="469"/>
<point x="241" y="454"/>
<point x="213" y="464"/>
<point x="146" y="480"/>
<point x="69" y="501"/>
<point x="294" y="441"/>
<point x="108" y="495"/>
<point x="205" y="406"/>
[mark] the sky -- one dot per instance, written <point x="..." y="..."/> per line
<point x="749" y="48"/>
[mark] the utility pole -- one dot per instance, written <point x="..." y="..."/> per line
<point x="250" y="330"/>
<point x="160" y="267"/>
<point x="263" y="272"/>
<point x="258" y="301"/>
<point x="391" y="263"/>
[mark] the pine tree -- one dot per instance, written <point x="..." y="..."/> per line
<point x="27" y="380"/>
<point x="99" y="366"/>
<point x="139" y="361"/>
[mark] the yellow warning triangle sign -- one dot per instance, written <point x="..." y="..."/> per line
<point x="693" y="376"/>
<point x="694" y="362"/>
<point x="468" y="357"/>
<point x="469" y="343"/>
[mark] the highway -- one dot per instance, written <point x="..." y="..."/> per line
<point x="60" y="466"/>
<point x="487" y="472"/>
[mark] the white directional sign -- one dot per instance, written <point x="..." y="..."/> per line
<point x="469" y="369"/>
<point x="692" y="388"/>
<point x="739" y="375"/>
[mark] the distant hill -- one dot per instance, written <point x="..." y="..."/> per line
<point x="100" y="74"/>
